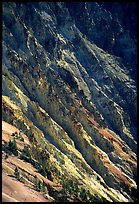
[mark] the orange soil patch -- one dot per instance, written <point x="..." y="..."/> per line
<point x="7" y="198"/>
<point x="119" y="174"/>
<point x="116" y="143"/>
<point x="27" y="167"/>
<point x="6" y="136"/>
<point x="8" y="168"/>
<point x="9" y="128"/>
<point x="7" y="131"/>
<point x="15" y="191"/>
<point x="117" y="147"/>
<point x="107" y="135"/>
<point x="125" y="156"/>
<point x="88" y="116"/>
<point x="13" y="161"/>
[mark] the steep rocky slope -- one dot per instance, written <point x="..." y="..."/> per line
<point x="69" y="83"/>
<point x="21" y="188"/>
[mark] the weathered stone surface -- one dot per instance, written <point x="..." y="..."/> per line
<point x="66" y="78"/>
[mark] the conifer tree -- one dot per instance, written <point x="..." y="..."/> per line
<point x="17" y="173"/>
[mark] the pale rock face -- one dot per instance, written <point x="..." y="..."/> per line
<point x="64" y="80"/>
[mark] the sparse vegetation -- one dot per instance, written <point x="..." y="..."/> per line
<point x="75" y="189"/>
<point x="17" y="173"/>
<point x="6" y="156"/>
<point x="39" y="186"/>
<point x="42" y="169"/>
<point x="26" y="156"/>
<point x="71" y="187"/>
<point x="11" y="147"/>
<point x="22" y="139"/>
<point x="98" y="178"/>
<point x="39" y="164"/>
<point x="40" y="159"/>
<point x="17" y="135"/>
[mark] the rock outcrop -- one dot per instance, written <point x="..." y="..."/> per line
<point x="67" y="79"/>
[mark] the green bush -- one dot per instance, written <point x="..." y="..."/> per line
<point x="17" y="173"/>
<point x="96" y="198"/>
<point x="22" y="139"/>
<point x="16" y="135"/>
<point x="39" y="186"/>
<point x="26" y="152"/>
<point x="72" y="187"/>
<point x="26" y="156"/>
<point x="11" y="148"/>
<point x="83" y="194"/>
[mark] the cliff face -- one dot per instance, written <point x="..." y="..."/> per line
<point x="69" y="78"/>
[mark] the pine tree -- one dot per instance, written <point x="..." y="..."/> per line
<point x="37" y="184"/>
<point x="17" y="173"/>
<point x="12" y="147"/>
<point x="43" y="186"/>
<point x="83" y="195"/>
